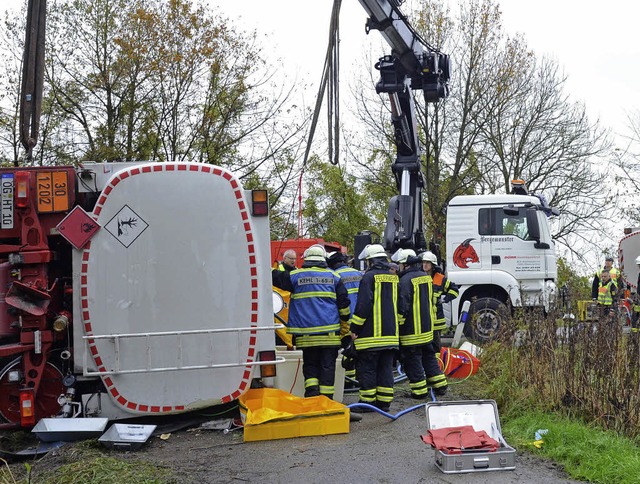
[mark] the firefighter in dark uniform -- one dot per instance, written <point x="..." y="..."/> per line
<point x="441" y="287"/>
<point x="319" y="302"/>
<point x="416" y="308"/>
<point x="350" y="277"/>
<point x="374" y="329"/>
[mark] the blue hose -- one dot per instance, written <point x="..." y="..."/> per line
<point x="386" y="414"/>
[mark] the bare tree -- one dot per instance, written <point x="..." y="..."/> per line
<point x="507" y="116"/>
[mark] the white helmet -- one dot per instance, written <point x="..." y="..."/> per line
<point x="429" y="256"/>
<point x="401" y="255"/>
<point x="638" y="260"/>
<point x="371" y="251"/>
<point x="315" y="253"/>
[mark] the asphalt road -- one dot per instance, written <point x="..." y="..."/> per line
<point x="377" y="449"/>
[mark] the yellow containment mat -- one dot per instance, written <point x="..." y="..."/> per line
<point x="268" y="414"/>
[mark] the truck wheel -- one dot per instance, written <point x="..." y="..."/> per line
<point x="486" y="315"/>
<point x="46" y="399"/>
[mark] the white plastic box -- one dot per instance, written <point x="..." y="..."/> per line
<point x="289" y="375"/>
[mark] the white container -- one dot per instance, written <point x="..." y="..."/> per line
<point x="69" y="429"/>
<point x="289" y="375"/>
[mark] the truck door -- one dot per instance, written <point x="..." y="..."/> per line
<point x="513" y="249"/>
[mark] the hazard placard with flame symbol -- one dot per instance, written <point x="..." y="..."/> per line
<point x="78" y="227"/>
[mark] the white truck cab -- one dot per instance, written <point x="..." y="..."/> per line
<point x="501" y="255"/>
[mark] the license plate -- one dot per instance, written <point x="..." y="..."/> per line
<point x="52" y="191"/>
<point x="6" y="201"/>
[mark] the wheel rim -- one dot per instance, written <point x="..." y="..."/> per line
<point x="46" y="400"/>
<point x="485" y="323"/>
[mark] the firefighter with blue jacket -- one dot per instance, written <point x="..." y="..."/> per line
<point x="350" y="277"/>
<point x="319" y="302"/>
<point x="374" y="328"/>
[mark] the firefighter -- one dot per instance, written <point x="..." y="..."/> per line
<point x="607" y="295"/>
<point x="613" y="273"/>
<point x="319" y="302"/>
<point x="350" y="277"/>
<point x="374" y="328"/>
<point x="443" y="288"/>
<point x="417" y="310"/>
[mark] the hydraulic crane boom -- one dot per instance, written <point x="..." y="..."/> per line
<point x="413" y="64"/>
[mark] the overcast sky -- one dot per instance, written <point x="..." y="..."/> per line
<point x="596" y="43"/>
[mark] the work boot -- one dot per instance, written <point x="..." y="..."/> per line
<point x="383" y="406"/>
<point x="440" y="391"/>
<point x="366" y="409"/>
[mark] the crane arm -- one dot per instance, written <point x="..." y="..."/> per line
<point x="413" y="64"/>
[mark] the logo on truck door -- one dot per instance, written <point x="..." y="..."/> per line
<point x="465" y="254"/>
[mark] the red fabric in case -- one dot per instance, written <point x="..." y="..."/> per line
<point x="455" y="440"/>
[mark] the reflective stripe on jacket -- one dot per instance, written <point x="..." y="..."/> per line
<point x="375" y="319"/>
<point x="606" y="293"/>
<point x="416" y="309"/>
<point x="442" y="285"/>
<point x="314" y="301"/>
<point x="351" y="279"/>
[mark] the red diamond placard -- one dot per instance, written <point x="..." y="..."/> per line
<point x="78" y="227"/>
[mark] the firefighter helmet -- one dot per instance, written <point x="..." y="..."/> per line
<point x="372" y="251"/>
<point x="335" y="258"/>
<point x="429" y="256"/>
<point x="401" y="255"/>
<point x="315" y="253"/>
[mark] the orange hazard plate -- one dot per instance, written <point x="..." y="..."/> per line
<point x="52" y="190"/>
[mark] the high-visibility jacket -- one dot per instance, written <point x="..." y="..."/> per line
<point x="375" y="318"/>
<point x="315" y="308"/>
<point x="606" y="293"/>
<point x="416" y="307"/>
<point x="442" y="286"/>
<point x="615" y="277"/>
<point x="613" y="272"/>
<point x="350" y="277"/>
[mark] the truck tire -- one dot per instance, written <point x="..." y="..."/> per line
<point x="486" y="315"/>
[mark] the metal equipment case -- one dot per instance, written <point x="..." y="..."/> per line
<point x="482" y="415"/>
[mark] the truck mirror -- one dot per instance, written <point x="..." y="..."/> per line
<point x="534" y="229"/>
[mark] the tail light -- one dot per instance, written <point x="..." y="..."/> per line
<point x="267" y="370"/>
<point x="23" y="181"/>
<point x="259" y="203"/>
<point x="27" y="408"/>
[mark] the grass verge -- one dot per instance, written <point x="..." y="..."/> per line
<point x="586" y="453"/>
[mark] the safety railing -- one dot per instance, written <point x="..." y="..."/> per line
<point x="117" y="338"/>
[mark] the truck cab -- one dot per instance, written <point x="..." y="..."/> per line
<point x="501" y="255"/>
